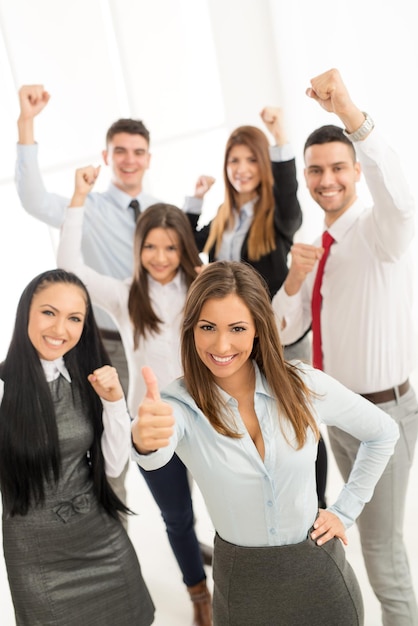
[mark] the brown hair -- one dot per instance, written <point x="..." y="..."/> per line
<point x="261" y="234"/>
<point x="127" y="125"/>
<point x="165" y="216"/>
<point x="329" y="134"/>
<point x="218" y="280"/>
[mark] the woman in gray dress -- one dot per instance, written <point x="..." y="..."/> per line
<point x="64" y="428"/>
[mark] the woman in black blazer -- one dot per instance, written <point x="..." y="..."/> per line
<point x="261" y="212"/>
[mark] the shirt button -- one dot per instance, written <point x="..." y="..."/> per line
<point x="272" y="531"/>
<point x="269" y="503"/>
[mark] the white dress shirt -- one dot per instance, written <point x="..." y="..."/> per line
<point x="116" y="437"/>
<point x="161" y="351"/>
<point x="274" y="502"/>
<point x="368" y="285"/>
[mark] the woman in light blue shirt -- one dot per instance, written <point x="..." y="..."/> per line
<point x="246" y="424"/>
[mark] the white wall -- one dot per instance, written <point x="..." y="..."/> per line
<point x="374" y="45"/>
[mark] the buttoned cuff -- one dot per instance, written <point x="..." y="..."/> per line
<point x="193" y="205"/>
<point x="281" y="153"/>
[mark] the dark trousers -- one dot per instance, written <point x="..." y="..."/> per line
<point x="321" y="472"/>
<point x="301" y="351"/>
<point x="170" y="488"/>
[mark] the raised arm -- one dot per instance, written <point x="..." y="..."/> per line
<point x="193" y="206"/>
<point x="304" y="259"/>
<point x="332" y="95"/>
<point x="292" y="303"/>
<point x="288" y="213"/>
<point x="32" y="100"/>
<point x="203" y="184"/>
<point x="107" y="292"/>
<point x="36" y="200"/>
<point x="392" y="226"/>
<point x="116" y="437"/>
<point x="85" y="178"/>
<point x="273" y="118"/>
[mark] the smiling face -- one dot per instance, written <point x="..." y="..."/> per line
<point x="224" y="337"/>
<point x="56" y="319"/>
<point x="243" y="172"/>
<point x="161" y="254"/>
<point x="129" y="158"/>
<point x="331" y="175"/>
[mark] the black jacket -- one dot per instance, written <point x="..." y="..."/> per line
<point x="287" y="220"/>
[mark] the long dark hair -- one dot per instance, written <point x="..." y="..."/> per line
<point x="29" y="446"/>
<point x="218" y="280"/>
<point x="166" y="216"/>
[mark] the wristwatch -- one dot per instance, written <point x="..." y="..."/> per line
<point x="362" y="132"/>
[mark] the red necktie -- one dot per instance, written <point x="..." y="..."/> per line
<point x="327" y="241"/>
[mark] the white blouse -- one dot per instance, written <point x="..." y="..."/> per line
<point x="161" y="351"/>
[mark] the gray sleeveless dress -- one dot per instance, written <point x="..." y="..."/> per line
<point x="68" y="562"/>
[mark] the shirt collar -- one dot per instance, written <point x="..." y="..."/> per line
<point x="120" y="198"/>
<point x="177" y="283"/>
<point x="247" y="209"/>
<point x="261" y="387"/>
<point x="343" y="224"/>
<point x="52" y="369"/>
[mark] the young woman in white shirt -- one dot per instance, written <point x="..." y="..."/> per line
<point x="246" y="423"/>
<point x="147" y="308"/>
<point x="64" y="430"/>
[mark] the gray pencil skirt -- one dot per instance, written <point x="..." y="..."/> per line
<point x="293" y="585"/>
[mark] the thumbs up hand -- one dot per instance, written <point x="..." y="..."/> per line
<point x="153" y="427"/>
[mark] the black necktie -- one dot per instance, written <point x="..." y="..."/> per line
<point x="134" y="205"/>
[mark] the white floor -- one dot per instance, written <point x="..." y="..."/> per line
<point x="161" y="571"/>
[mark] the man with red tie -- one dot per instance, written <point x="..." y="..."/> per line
<point x="355" y="287"/>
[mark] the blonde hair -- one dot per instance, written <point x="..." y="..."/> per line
<point x="261" y="239"/>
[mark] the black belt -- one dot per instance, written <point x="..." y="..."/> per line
<point x="112" y="335"/>
<point x="388" y="394"/>
<point x="289" y="345"/>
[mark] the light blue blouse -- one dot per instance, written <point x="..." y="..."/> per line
<point x="274" y="502"/>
